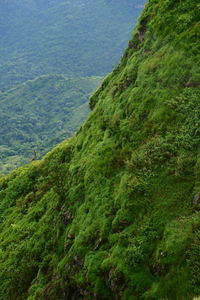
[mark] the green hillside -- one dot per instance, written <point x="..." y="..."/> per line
<point x="71" y="37"/>
<point x="114" y="212"/>
<point x="80" y="39"/>
<point x="39" y="114"/>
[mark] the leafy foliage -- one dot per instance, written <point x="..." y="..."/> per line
<point x="113" y="213"/>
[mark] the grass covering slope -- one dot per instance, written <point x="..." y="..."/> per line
<point x="39" y="114"/>
<point x="113" y="213"/>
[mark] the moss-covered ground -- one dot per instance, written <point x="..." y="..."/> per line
<point x="114" y="212"/>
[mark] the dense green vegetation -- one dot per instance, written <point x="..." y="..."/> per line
<point x="76" y="38"/>
<point x="71" y="37"/>
<point x="113" y="213"/>
<point x="39" y="114"/>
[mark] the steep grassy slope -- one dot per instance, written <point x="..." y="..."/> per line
<point x="71" y="37"/>
<point x="39" y="114"/>
<point x="113" y="213"/>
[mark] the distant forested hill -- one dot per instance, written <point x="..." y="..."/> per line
<point x="39" y="114"/>
<point x="79" y="37"/>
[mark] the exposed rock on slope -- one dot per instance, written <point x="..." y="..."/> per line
<point x="110" y="213"/>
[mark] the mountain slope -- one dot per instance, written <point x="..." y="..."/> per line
<point x="75" y="38"/>
<point x="113" y="213"/>
<point x="39" y="114"/>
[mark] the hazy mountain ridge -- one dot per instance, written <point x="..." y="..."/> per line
<point x="75" y="38"/>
